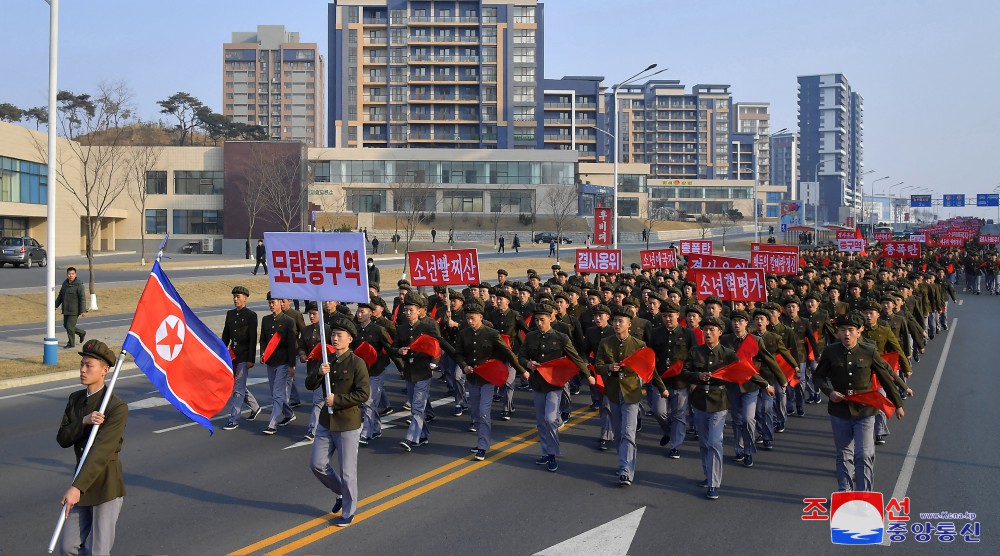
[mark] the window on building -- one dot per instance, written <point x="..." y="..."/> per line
<point x="462" y="201"/>
<point x="366" y="200"/>
<point x="773" y="197"/>
<point x="524" y="113"/>
<point x="511" y="201"/>
<point x="22" y="181"/>
<point x="628" y="207"/>
<point x="524" y="36"/>
<point x="524" y="14"/>
<point x="198" y="221"/>
<point x="156" y="221"/>
<point x="156" y="183"/>
<point x="524" y="94"/>
<point x="188" y="182"/>
<point x="524" y="74"/>
<point x="632" y="183"/>
<point x="524" y="54"/>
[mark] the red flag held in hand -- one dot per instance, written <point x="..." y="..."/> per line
<point x="673" y="370"/>
<point x="367" y="353"/>
<point x="493" y="371"/>
<point x="699" y="335"/>
<point x="643" y="362"/>
<point x="874" y="399"/>
<point x="557" y="372"/>
<point x="272" y="345"/>
<point x="749" y="348"/>
<point x="788" y="370"/>
<point x="506" y="339"/>
<point x="598" y="380"/>
<point x="739" y="372"/>
<point x="428" y="345"/>
<point x="232" y="354"/>
<point x="892" y="358"/>
<point x="316" y="354"/>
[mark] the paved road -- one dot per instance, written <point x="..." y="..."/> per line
<point x="242" y="492"/>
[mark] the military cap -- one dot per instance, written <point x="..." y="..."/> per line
<point x="269" y="298"/>
<point x="502" y="272"/>
<point x="484" y="285"/>
<point x="635" y="266"/>
<point x="98" y="350"/>
<point x="630" y="301"/>
<point x="375" y="300"/>
<point x="674" y="290"/>
<point x="887" y="297"/>
<point x="850" y="319"/>
<point x="440" y="289"/>
<point x="473" y="306"/>
<point x="543" y="309"/>
<point x="655" y="295"/>
<point x="561" y="295"/>
<point x="241" y="289"/>
<point x="544" y="297"/>
<point x="710" y="321"/>
<point x="791" y="299"/>
<point x="692" y="308"/>
<point x="311" y="306"/>
<point x="554" y="288"/>
<point x="573" y="289"/>
<point x="772" y="306"/>
<point x="403" y="285"/>
<point x="814" y="295"/>
<point x="456" y="295"/>
<point x="524" y="288"/>
<point x="739" y="314"/>
<point x="345" y="324"/>
<point x="607" y="288"/>
<point x="374" y="286"/>
<point x="532" y="272"/>
<point x="593" y="293"/>
<point x="622" y="290"/>
<point x="871" y="306"/>
<point x="369" y="306"/>
<point x="853" y="284"/>
<point x="763" y="312"/>
<point x="500" y="292"/>
<point x="599" y="309"/>
<point x="621" y="312"/>
<point x="715" y="300"/>
<point x="414" y="298"/>
<point x="670" y="307"/>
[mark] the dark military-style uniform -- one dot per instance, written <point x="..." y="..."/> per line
<point x="309" y="339"/>
<point x="511" y="323"/>
<point x="743" y="398"/>
<point x="672" y="346"/>
<point x="240" y="335"/>
<point x="378" y="337"/>
<point x="849" y="371"/>
<point x="279" y="364"/>
<point x="417" y="372"/>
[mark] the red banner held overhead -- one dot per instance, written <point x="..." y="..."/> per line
<point x="714" y="261"/>
<point x="775" y="259"/>
<point x="852" y="245"/>
<point x="951" y="241"/>
<point x="696" y="247"/>
<point x="599" y="260"/>
<point x="989" y="239"/>
<point x="557" y="372"/>
<point x="658" y="258"/>
<point x="882" y="236"/>
<point x="444" y="268"/>
<point x="602" y="226"/>
<point x="730" y="284"/>
<point x="901" y="250"/>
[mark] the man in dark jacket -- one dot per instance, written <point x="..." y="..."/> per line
<point x="72" y="297"/>
<point x="340" y="430"/>
<point x="279" y="357"/>
<point x="261" y="257"/>
<point x="374" y="275"/>
<point x="240" y="336"/>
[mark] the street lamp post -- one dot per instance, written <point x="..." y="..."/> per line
<point x="614" y="109"/>
<point x="894" y="204"/>
<point x="756" y="176"/>
<point x="871" y="199"/>
<point x="816" y="202"/>
<point x="854" y="204"/>
<point x="50" y="354"/>
<point x="888" y="192"/>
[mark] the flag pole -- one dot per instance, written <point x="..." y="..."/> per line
<point x="322" y="350"/>
<point x="93" y="431"/>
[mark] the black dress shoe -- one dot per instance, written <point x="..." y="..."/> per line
<point x="665" y="440"/>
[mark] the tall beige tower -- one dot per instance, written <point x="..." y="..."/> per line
<point x="272" y="80"/>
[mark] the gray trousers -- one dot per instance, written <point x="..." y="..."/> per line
<point x="293" y="391"/>
<point x="318" y="406"/>
<point x="770" y="412"/>
<point x="807" y="377"/>
<point x="69" y="323"/>
<point x="658" y="405"/>
<point x="677" y="413"/>
<point x="345" y="482"/>
<point x="624" y="417"/>
<point x="881" y="423"/>
<point x="417" y="393"/>
<point x="744" y="418"/>
<point x="371" y="422"/>
<point x="456" y="380"/>
<point x="480" y="399"/>
<point x="507" y="391"/>
<point x="710" y="426"/>
<point x="277" y="379"/>
<point x="547" y="420"/>
<point x="855" y="444"/>
<point x="607" y="429"/>
<point x="241" y="395"/>
<point x="91" y="529"/>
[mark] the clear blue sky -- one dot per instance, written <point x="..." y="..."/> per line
<point x="928" y="70"/>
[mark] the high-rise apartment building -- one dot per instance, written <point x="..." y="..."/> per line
<point x="680" y="135"/>
<point x="429" y="73"/>
<point x="751" y="154"/>
<point x="573" y="116"/>
<point x="784" y="161"/>
<point x="831" y="143"/>
<point x="273" y="80"/>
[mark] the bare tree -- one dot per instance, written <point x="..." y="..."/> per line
<point x="142" y="161"/>
<point x="705" y="224"/>
<point x="275" y="184"/>
<point x="92" y="166"/>
<point x="561" y="203"/>
<point x="655" y="215"/>
<point x="502" y="192"/>
<point x="413" y="202"/>
<point x="727" y="221"/>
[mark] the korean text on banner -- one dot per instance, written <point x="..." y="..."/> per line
<point x="602" y="226"/>
<point x="449" y="267"/>
<point x="317" y="265"/>
<point x="730" y="284"/>
<point x="775" y="259"/>
<point x="715" y="261"/>
<point x="901" y="250"/>
<point x="599" y="260"/>
<point x="658" y="258"/>
<point x="696" y="247"/>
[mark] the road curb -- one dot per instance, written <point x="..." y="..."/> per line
<point x="50" y="377"/>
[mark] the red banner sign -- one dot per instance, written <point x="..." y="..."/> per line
<point x="696" y="247"/>
<point x="599" y="260"/>
<point x="444" y="268"/>
<point x="730" y="284"/>
<point x="850" y="221"/>
<point x="989" y="239"/>
<point x="852" y="245"/>
<point x="882" y="236"/>
<point x="602" y="226"/>
<point x="846" y="234"/>
<point x="919" y="238"/>
<point x="951" y="241"/>
<point x="775" y="259"/>
<point x="714" y="261"/>
<point x="658" y="258"/>
<point x="901" y="250"/>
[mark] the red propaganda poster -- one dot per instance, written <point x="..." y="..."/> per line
<point x="951" y="241"/>
<point x="989" y="239"/>
<point x="602" y="226"/>
<point x="850" y="221"/>
<point x="730" y="284"/>
<point x="775" y="259"/>
<point x="314" y="265"/>
<point x="599" y="260"/>
<point x="919" y="238"/>
<point x="852" y="245"/>
<point x="882" y="236"/>
<point x="658" y="258"/>
<point x="444" y="268"/>
<point x="714" y="261"/>
<point x="696" y="247"/>
<point x="901" y="250"/>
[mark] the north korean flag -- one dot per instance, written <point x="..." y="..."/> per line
<point x="182" y="357"/>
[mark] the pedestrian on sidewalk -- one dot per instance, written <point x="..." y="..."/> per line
<point x="552" y="248"/>
<point x="261" y="257"/>
<point x="72" y="297"/>
<point x="375" y="245"/>
<point x="516" y="244"/>
<point x="434" y="235"/>
<point x="500" y="245"/>
<point x="374" y="274"/>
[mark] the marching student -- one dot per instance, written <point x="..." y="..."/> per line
<point x="240" y="336"/>
<point x="278" y="361"/>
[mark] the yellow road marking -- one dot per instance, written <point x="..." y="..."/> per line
<point x="516" y="439"/>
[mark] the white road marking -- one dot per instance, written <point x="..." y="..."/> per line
<point x="250" y="382"/>
<point x="960" y="301"/>
<point x="906" y="470"/>
<point x="33" y="392"/>
<point x="611" y="539"/>
<point x="147" y="403"/>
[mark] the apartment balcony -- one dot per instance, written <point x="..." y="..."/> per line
<point x="558" y="121"/>
<point x="376" y="117"/>
<point x="375" y="40"/>
<point x="376" y="98"/>
<point x="587" y="106"/>
<point x="375" y="60"/>
<point x="375" y="78"/>
<point x="442" y="40"/>
<point x="439" y="20"/>
<point x="558" y="105"/>
<point x="377" y="21"/>
<point x="442" y="59"/>
<point x="558" y="137"/>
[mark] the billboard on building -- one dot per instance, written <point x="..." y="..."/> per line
<point x="791" y="214"/>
